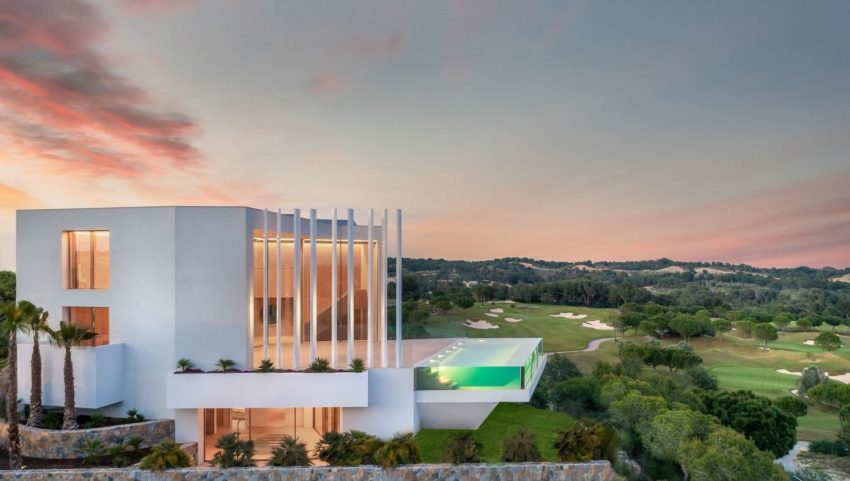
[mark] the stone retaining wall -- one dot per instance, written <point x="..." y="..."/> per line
<point x="55" y="444"/>
<point x="592" y="471"/>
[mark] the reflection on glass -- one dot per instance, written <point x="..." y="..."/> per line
<point x="324" y="253"/>
<point x="266" y="427"/>
<point x="85" y="259"/>
<point x="92" y="318"/>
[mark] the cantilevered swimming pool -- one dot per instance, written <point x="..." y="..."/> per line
<point x="480" y="364"/>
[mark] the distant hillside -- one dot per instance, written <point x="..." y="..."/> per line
<point x="736" y="286"/>
<point x="515" y="270"/>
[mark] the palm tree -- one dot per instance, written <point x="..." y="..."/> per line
<point x="37" y="324"/>
<point x="67" y="336"/>
<point x="15" y="317"/>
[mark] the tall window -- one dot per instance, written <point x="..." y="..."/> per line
<point x="92" y="318"/>
<point x="85" y="259"/>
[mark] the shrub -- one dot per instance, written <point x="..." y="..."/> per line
<point x="134" y="416"/>
<point x="290" y="452"/>
<point x="791" y="405"/>
<point x="96" y="420"/>
<point x="134" y="442"/>
<point x="166" y="455"/>
<point x="832" y="394"/>
<point x="844" y="421"/>
<point x="335" y="449"/>
<point x="585" y="441"/>
<point x="463" y="448"/>
<point x="234" y="452"/>
<point x="225" y="365"/>
<point x="117" y="455"/>
<point x="184" y="364"/>
<point x="363" y="447"/>
<point x="825" y="446"/>
<point x="357" y="365"/>
<point x="401" y="449"/>
<point x="812" y="376"/>
<point x="702" y="378"/>
<point x="92" y="450"/>
<point x="319" y="365"/>
<point x="52" y="419"/>
<point x="266" y="365"/>
<point x="521" y="448"/>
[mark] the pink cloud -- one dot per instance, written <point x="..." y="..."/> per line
<point x="62" y="102"/>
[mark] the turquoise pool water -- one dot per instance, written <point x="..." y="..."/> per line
<point x="475" y="364"/>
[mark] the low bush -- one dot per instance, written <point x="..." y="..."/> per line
<point x="266" y="365"/>
<point x="290" y="452"/>
<point x="400" y="449"/>
<point x="319" y="365"/>
<point x="357" y="365"/>
<point x="233" y="452"/>
<point x="521" y="448"/>
<point x="825" y="446"/>
<point x="586" y="440"/>
<point x="166" y="455"/>
<point x="93" y="451"/>
<point x="462" y="449"/>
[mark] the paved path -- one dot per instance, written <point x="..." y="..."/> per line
<point x="789" y="461"/>
<point x="591" y="346"/>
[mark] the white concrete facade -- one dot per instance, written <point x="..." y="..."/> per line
<point x="181" y="285"/>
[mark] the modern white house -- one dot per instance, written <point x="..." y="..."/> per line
<point x="159" y="284"/>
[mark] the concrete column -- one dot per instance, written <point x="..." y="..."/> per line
<point x="334" y="288"/>
<point x="314" y="302"/>
<point x="370" y="264"/>
<point x="384" y="266"/>
<point x="350" y="232"/>
<point x="265" y="286"/>
<point x="278" y="300"/>
<point x="296" y="289"/>
<point x="398" y="300"/>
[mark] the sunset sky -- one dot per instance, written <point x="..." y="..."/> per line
<point x="558" y="130"/>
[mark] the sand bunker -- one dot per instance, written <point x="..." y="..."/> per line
<point x="497" y="310"/>
<point x="792" y="373"/>
<point x="598" y="325"/>
<point x="513" y="319"/>
<point x="810" y="342"/>
<point x="479" y="324"/>
<point x="491" y="314"/>
<point x="569" y="315"/>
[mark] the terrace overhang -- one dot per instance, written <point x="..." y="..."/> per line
<point x="267" y="390"/>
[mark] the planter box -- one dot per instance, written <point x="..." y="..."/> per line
<point x="98" y="374"/>
<point x="267" y="390"/>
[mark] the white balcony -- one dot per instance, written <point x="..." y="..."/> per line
<point x="98" y="374"/>
<point x="267" y="390"/>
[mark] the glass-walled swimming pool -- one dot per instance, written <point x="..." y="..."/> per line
<point x="477" y="364"/>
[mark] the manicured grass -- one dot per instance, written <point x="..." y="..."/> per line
<point x="503" y="422"/>
<point x="558" y="334"/>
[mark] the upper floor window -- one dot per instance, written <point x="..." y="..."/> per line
<point x="85" y="259"/>
<point x="92" y="318"/>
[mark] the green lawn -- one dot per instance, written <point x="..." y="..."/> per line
<point x="558" y="334"/>
<point x="504" y="421"/>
